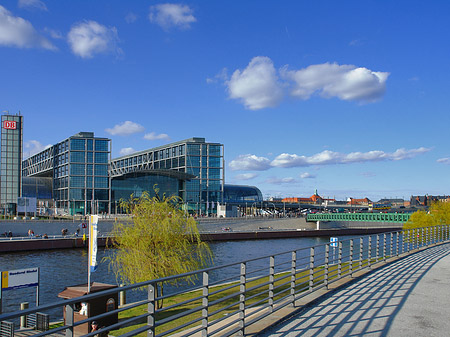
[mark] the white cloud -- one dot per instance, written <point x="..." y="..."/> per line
<point x="257" y="86"/>
<point x="131" y="17"/>
<point x="89" y="38"/>
<point x="443" y="160"/>
<point x="154" y="136"/>
<point x="126" y="150"/>
<point x="245" y="176"/>
<point x="277" y="181"/>
<point x="172" y="15"/>
<point x="329" y="157"/>
<point x="17" y="32"/>
<point x="306" y="175"/>
<point x="249" y="162"/>
<point x="260" y="85"/>
<point x="346" y="82"/>
<point x="38" y="4"/>
<point x="125" y="129"/>
<point x="34" y="146"/>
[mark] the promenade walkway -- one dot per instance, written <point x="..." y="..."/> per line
<point x="410" y="297"/>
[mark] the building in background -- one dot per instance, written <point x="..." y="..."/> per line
<point x="191" y="169"/>
<point x="78" y="166"/>
<point x="11" y="161"/>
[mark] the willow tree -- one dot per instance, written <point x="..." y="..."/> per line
<point x="438" y="214"/>
<point x="160" y="240"/>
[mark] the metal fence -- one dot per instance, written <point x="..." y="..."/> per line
<point x="369" y="217"/>
<point x="226" y="300"/>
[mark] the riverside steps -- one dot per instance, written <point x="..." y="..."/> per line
<point x="369" y="285"/>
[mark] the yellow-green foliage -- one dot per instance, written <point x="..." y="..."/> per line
<point x="161" y="240"/>
<point x="439" y="214"/>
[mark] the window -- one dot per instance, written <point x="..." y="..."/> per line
<point x="101" y="182"/>
<point x="101" y="145"/>
<point x="75" y="144"/>
<point x="101" y="157"/>
<point x="77" y="157"/>
<point x="101" y="170"/>
<point x="76" y="181"/>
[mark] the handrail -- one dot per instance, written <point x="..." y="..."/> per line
<point x="231" y="306"/>
<point x="365" y="217"/>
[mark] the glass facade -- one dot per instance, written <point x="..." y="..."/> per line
<point x="79" y="168"/>
<point x="11" y="160"/>
<point x="203" y="161"/>
<point x="240" y="194"/>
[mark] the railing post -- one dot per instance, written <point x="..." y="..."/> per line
<point x="384" y="247"/>
<point x="361" y="252"/>
<point x="311" y="269"/>
<point x="391" y="245"/>
<point x="205" y="303"/>
<point x="242" y="297"/>
<point x="397" y="242"/>
<point x="23" y="319"/>
<point x="351" y="258"/>
<point x="69" y="320"/>
<point x="293" y="276"/>
<point x="369" y="253"/>
<point x="377" y="250"/>
<point x="151" y="295"/>
<point x="271" y="281"/>
<point x="327" y="264"/>
<point x="339" y="259"/>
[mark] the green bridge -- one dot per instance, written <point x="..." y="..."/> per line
<point x="369" y="217"/>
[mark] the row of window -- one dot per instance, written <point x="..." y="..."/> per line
<point x="89" y="144"/>
<point x="99" y="182"/>
<point x="44" y="155"/>
<point x="81" y="194"/>
<point x="89" y="169"/>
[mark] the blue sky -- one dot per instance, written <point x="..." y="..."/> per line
<point x="346" y="97"/>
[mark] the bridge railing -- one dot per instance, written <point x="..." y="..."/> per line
<point x="230" y="298"/>
<point x="369" y="217"/>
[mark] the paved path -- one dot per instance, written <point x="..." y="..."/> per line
<point x="410" y="297"/>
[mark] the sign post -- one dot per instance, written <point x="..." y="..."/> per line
<point x="18" y="279"/>
<point x="93" y="221"/>
<point x="334" y="244"/>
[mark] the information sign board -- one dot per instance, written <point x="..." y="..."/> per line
<point x="333" y="242"/>
<point x="20" y="278"/>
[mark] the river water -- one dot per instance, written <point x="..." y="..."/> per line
<point x="61" y="268"/>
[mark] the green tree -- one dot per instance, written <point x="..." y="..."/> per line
<point x="160" y="240"/>
<point x="438" y="214"/>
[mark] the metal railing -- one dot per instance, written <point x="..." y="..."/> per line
<point x="370" y="217"/>
<point x="228" y="299"/>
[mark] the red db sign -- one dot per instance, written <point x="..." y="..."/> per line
<point x="9" y="125"/>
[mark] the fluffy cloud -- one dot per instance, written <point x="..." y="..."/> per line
<point x="346" y="82"/>
<point x="306" y="175"/>
<point x="253" y="163"/>
<point x="154" y="136"/>
<point x="257" y="85"/>
<point x="38" y="4"/>
<point x="277" y="181"/>
<point x="250" y="162"/>
<point x="32" y="147"/>
<point x="125" y="129"/>
<point x="172" y="15"/>
<point x="126" y="150"/>
<point x="89" y="38"/>
<point x="245" y="176"/>
<point x="17" y="32"/>
<point x="260" y="85"/>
